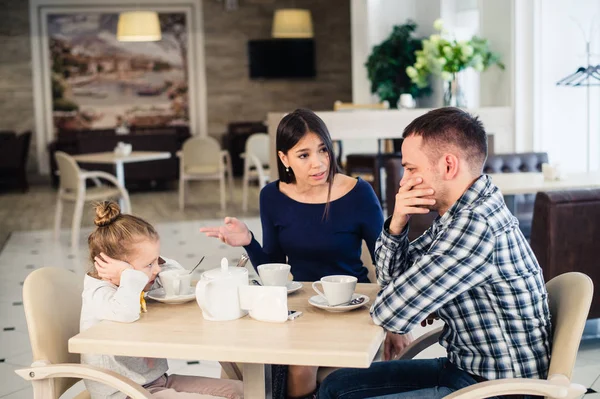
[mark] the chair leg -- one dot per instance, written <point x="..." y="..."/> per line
<point x="58" y="216"/>
<point x="245" y="185"/>
<point x="230" y="179"/>
<point x="76" y="226"/>
<point x="222" y="189"/>
<point x="127" y="201"/>
<point x="181" y="193"/>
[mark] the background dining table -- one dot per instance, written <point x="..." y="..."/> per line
<point x="317" y="338"/>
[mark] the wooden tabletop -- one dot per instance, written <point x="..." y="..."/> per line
<point x="527" y="183"/>
<point x="112" y="158"/>
<point x="317" y="338"/>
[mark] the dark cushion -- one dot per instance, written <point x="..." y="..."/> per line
<point x="565" y="233"/>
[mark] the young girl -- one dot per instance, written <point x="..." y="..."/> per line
<point x="125" y="252"/>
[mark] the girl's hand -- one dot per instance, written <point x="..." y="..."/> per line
<point x="233" y="232"/>
<point x="110" y="269"/>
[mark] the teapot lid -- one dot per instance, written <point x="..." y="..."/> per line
<point x="224" y="271"/>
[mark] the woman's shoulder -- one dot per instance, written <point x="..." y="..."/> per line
<point x="356" y="187"/>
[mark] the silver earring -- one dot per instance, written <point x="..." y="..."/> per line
<point x="287" y="169"/>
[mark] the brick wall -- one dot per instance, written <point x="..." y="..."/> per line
<point x="232" y="96"/>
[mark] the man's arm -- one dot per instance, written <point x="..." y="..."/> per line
<point x="394" y="254"/>
<point x="455" y="262"/>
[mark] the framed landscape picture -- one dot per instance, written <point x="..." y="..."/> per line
<point x="85" y="79"/>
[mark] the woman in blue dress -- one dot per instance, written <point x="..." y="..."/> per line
<point x="313" y="218"/>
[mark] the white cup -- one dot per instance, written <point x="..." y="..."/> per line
<point x="274" y="274"/>
<point x="175" y="282"/>
<point x="338" y="289"/>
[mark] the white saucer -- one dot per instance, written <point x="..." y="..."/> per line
<point x="293" y="286"/>
<point x="159" y="295"/>
<point x="321" y="303"/>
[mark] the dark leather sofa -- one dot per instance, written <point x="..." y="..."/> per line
<point x="515" y="163"/>
<point x="565" y="234"/>
<point x="14" y="149"/>
<point x="496" y="163"/>
<point x="137" y="175"/>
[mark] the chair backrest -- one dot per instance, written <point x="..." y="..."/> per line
<point x="365" y="257"/>
<point x="52" y="303"/>
<point x="564" y="234"/>
<point x="340" y="106"/>
<point x="258" y="145"/>
<point x="201" y="151"/>
<point x="569" y="296"/>
<point x="69" y="171"/>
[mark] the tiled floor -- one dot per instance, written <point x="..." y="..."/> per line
<point x="27" y="251"/>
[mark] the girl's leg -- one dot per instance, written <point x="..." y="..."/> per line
<point x="198" y="387"/>
<point x="302" y="381"/>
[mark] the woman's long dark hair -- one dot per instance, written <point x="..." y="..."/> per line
<point x="290" y="131"/>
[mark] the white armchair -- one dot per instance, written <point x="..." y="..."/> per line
<point x="201" y="158"/>
<point x="73" y="188"/>
<point x="51" y="323"/>
<point x="256" y="164"/>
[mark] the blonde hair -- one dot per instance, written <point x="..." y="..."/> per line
<point x="115" y="232"/>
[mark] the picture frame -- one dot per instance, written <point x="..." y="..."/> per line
<point x="83" y="78"/>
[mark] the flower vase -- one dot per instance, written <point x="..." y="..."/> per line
<point x="453" y="94"/>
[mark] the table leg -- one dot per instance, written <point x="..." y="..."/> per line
<point x="120" y="173"/>
<point x="257" y="381"/>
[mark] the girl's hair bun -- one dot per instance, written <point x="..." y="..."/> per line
<point x="106" y="213"/>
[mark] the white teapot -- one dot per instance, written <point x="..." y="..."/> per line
<point x="217" y="292"/>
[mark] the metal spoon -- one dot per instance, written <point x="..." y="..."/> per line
<point x="197" y="265"/>
<point x="353" y="302"/>
<point x="243" y="260"/>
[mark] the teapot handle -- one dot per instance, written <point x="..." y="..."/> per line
<point x="202" y="298"/>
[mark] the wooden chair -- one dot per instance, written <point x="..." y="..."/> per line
<point x="570" y="295"/>
<point x="52" y="303"/>
<point x="340" y="106"/>
<point x="73" y="188"/>
<point x="256" y="164"/>
<point x="201" y="158"/>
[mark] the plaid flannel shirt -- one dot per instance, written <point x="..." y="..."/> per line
<point x="474" y="268"/>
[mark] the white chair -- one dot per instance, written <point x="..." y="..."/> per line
<point x="52" y="303"/>
<point x="256" y="164"/>
<point x="73" y="188"/>
<point x="201" y="158"/>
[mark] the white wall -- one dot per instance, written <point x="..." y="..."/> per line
<point x="560" y="112"/>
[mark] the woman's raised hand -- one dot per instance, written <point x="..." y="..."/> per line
<point x="233" y="232"/>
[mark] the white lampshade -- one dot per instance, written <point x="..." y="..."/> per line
<point x="292" y="23"/>
<point x="138" y="26"/>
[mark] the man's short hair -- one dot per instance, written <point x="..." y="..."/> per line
<point x="451" y="127"/>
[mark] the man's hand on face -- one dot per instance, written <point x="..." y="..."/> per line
<point x="409" y="201"/>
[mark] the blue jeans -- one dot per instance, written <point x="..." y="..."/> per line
<point x="397" y="379"/>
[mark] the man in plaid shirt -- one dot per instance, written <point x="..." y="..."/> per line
<point x="472" y="268"/>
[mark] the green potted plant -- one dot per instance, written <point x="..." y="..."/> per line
<point x="446" y="57"/>
<point x="386" y="66"/>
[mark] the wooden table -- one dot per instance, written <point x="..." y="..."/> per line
<point x="317" y="338"/>
<point x="511" y="184"/>
<point x="119" y="161"/>
<point x="526" y="183"/>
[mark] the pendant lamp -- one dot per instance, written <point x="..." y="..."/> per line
<point x="292" y="23"/>
<point x="138" y="26"/>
